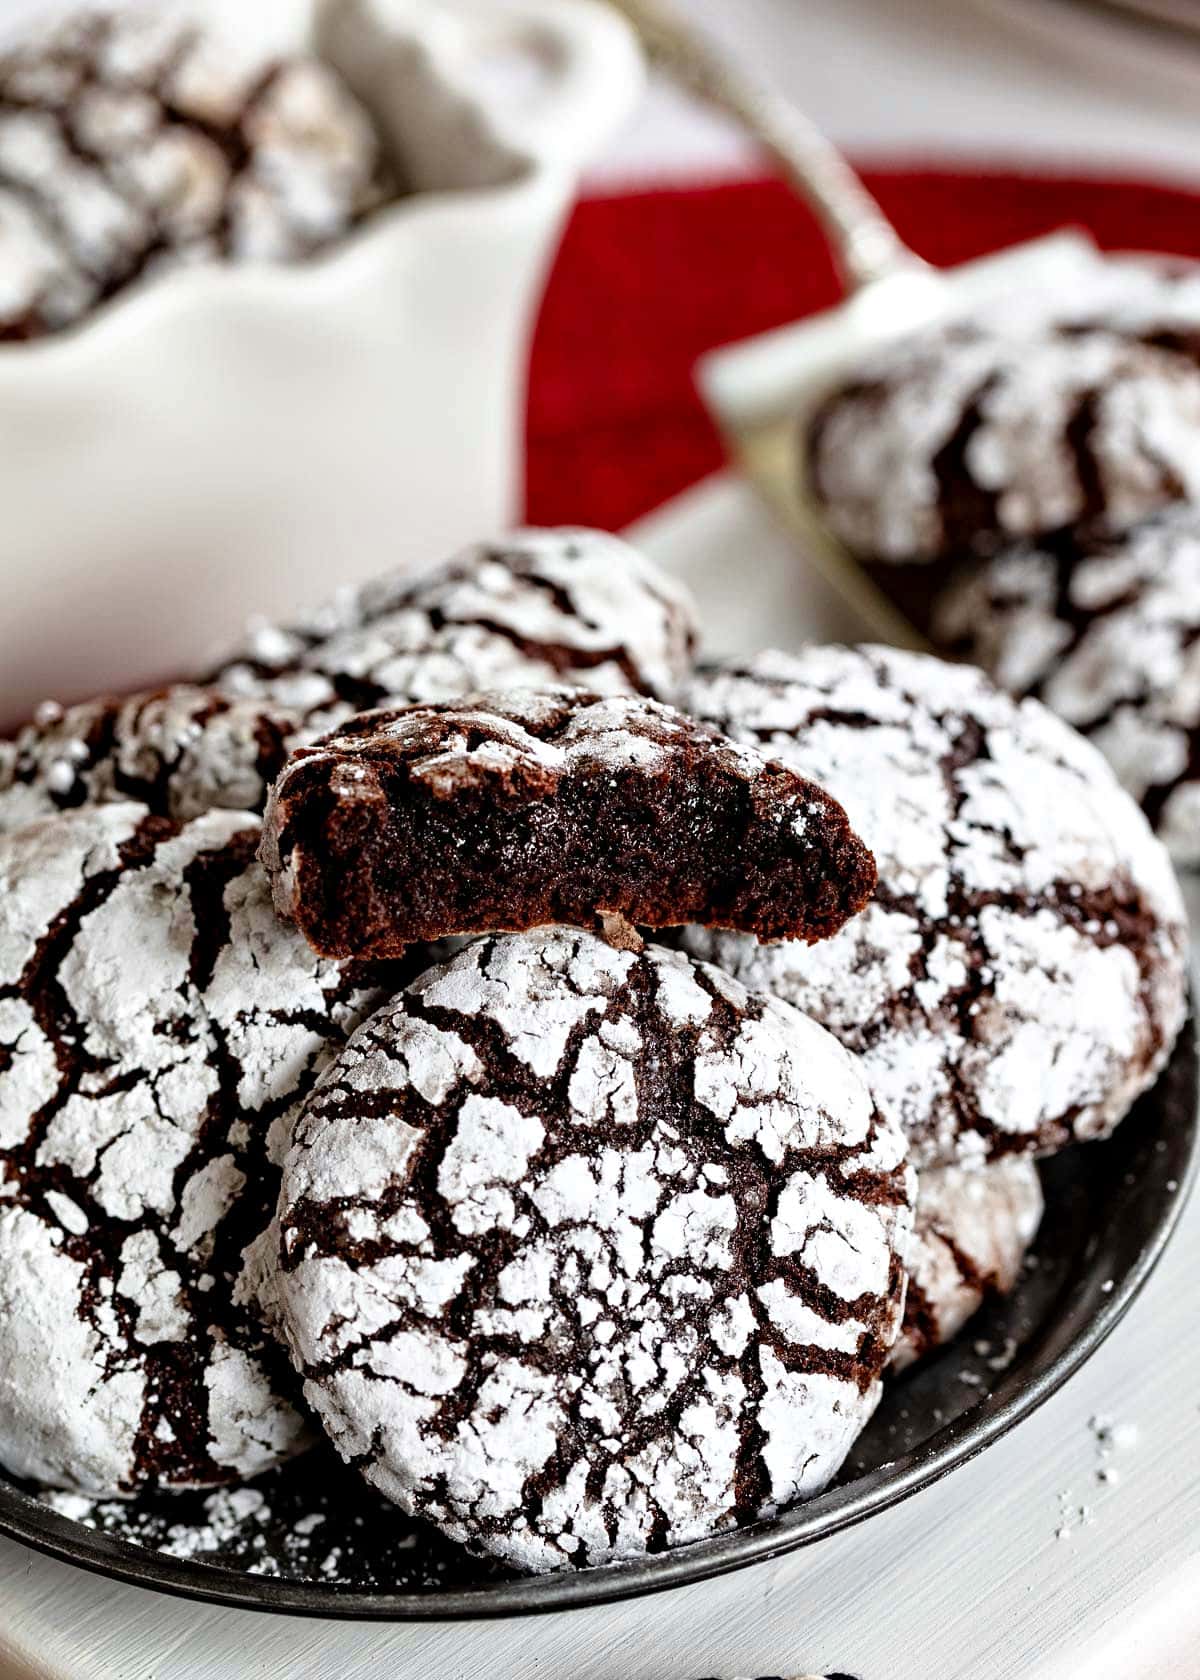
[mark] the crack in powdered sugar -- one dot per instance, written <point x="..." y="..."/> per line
<point x="540" y="606"/>
<point x="961" y="440"/>
<point x="133" y="143"/>
<point x="1106" y="631"/>
<point x="1019" y="979"/>
<point x="158" y="1027"/>
<point x="180" y="751"/>
<point x="588" y="1253"/>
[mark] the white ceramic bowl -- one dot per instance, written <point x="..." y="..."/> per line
<point x="227" y="441"/>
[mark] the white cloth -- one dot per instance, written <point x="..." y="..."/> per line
<point x="1005" y="80"/>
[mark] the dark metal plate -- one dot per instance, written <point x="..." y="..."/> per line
<point x="1110" y="1209"/>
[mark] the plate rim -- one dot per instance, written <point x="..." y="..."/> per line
<point x="1016" y="1397"/>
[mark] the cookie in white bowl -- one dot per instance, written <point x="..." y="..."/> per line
<point x="133" y="141"/>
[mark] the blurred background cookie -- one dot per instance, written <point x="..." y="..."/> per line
<point x="1105" y="628"/>
<point x="955" y="442"/>
<point x="135" y="140"/>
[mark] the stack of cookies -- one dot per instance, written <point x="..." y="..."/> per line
<point x="1027" y="492"/>
<point x="571" y="1078"/>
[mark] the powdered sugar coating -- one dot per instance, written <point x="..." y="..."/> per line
<point x="158" y="1027"/>
<point x="539" y="606"/>
<point x="134" y="141"/>
<point x="538" y="737"/>
<point x="1106" y="631"/>
<point x="1154" y="302"/>
<point x="588" y="1253"/>
<point x="972" y="1231"/>
<point x="180" y="751"/>
<point x="968" y="438"/>
<point x="1020" y="977"/>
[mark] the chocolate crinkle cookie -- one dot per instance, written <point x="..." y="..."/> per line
<point x="558" y="605"/>
<point x="965" y="440"/>
<point x="1106" y="630"/>
<point x="587" y="1253"/>
<point x="179" y="751"/>
<point x="973" y="1229"/>
<point x="1019" y="978"/>
<point x="158" y="1029"/>
<point x="135" y="141"/>
<point x="1155" y="302"/>
<point x="511" y="811"/>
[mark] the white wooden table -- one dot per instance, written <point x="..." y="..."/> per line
<point x="968" y="1581"/>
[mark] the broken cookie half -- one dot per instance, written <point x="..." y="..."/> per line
<point x="513" y="811"/>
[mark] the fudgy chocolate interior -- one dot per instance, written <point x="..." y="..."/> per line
<point x="685" y="842"/>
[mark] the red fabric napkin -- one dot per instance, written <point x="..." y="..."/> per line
<point x="644" y="283"/>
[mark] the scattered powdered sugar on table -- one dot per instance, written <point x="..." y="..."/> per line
<point x="530" y="1273"/>
<point x="1019" y="978"/>
<point x="1111" y="1441"/>
<point x="1072" y="1516"/>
